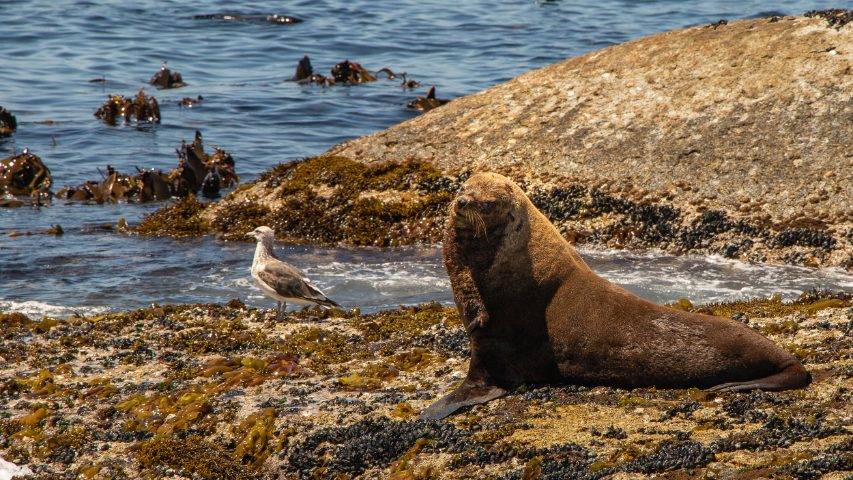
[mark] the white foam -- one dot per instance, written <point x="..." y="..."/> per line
<point x="36" y="309"/>
<point x="9" y="470"/>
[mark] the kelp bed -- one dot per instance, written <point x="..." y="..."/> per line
<point x="223" y="391"/>
<point x="334" y="200"/>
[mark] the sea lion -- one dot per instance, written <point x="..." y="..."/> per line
<point x="536" y="313"/>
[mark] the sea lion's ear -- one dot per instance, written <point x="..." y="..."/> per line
<point x="470" y="393"/>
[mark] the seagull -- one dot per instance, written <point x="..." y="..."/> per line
<point x="279" y="280"/>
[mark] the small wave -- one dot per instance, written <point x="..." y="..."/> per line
<point x="8" y="470"/>
<point x="36" y="309"/>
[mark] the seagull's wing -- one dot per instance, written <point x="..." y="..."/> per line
<point x="288" y="282"/>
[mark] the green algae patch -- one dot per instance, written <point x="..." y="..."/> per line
<point x="180" y="219"/>
<point x="258" y="438"/>
<point x="240" y="218"/>
<point x="192" y="456"/>
<point x="809" y="303"/>
<point x="330" y="200"/>
<point x="320" y="347"/>
<point x="409" y="320"/>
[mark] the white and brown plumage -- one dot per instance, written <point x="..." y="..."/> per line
<point x="279" y="280"/>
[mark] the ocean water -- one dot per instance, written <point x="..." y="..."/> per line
<point x="51" y="49"/>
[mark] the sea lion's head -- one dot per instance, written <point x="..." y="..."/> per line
<point x="487" y="205"/>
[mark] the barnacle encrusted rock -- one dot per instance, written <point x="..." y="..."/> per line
<point x="224" y="391"/>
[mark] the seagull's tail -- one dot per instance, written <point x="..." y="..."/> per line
<point x="326" y="302"/>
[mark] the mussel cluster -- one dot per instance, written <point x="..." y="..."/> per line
<point x="140" y="108"/>
<point x="196" y="171"/>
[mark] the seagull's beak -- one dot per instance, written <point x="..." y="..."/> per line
<point x="251" y="234"/>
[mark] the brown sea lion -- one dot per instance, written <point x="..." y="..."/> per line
<point x="536" y="313"/>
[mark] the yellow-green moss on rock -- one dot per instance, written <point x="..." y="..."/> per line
<point x="180" y="219"/>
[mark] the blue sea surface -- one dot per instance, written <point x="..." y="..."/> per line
<point x="49" y="50"/>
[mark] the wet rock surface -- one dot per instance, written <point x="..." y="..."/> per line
<point x="223" y="391"/>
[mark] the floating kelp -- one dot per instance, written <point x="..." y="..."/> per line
<point x="190" y="102"/>
<point x="199" y="171"/>
<point x="113" y="187"/>
<point x="238" y="17"/>
<point x="196" y="171"/>
<point x="8" y="123"/>
<point x="351" y="72"/>
<point x="165" y="78"/>
<point x="141" y="108"/>
<point x="24" y="174"/>
<point x="304" y="70"/>
<point x="427" y="103"/>
<point x="346" y="72"/>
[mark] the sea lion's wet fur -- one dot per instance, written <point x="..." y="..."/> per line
<point x="536" y="313"/>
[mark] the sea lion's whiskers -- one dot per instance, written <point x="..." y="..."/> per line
<point x="482" y="224"/>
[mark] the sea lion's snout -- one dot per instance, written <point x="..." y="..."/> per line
<point x="462" y="202"/>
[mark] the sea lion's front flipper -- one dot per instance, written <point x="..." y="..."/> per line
<point x="470" y="393"/>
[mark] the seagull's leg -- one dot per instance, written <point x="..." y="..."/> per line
<point x="278" y="313"/>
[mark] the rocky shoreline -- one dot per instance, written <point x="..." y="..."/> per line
<point x="223" y="391"/>
<point x="731" y="139"/>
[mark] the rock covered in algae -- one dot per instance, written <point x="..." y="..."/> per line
<point x="8" y="122"/>
<point x="24" y="174"/>
<point x="702" y="119"/>
<point x="141" y="108"/>
<point x="655" y="143"/>
<point x="225" y="391"/>
<point x="333" y="200"/>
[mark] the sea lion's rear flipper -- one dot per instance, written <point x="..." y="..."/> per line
<point x="468" y="394"/>
<point x="792" y="377"/>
